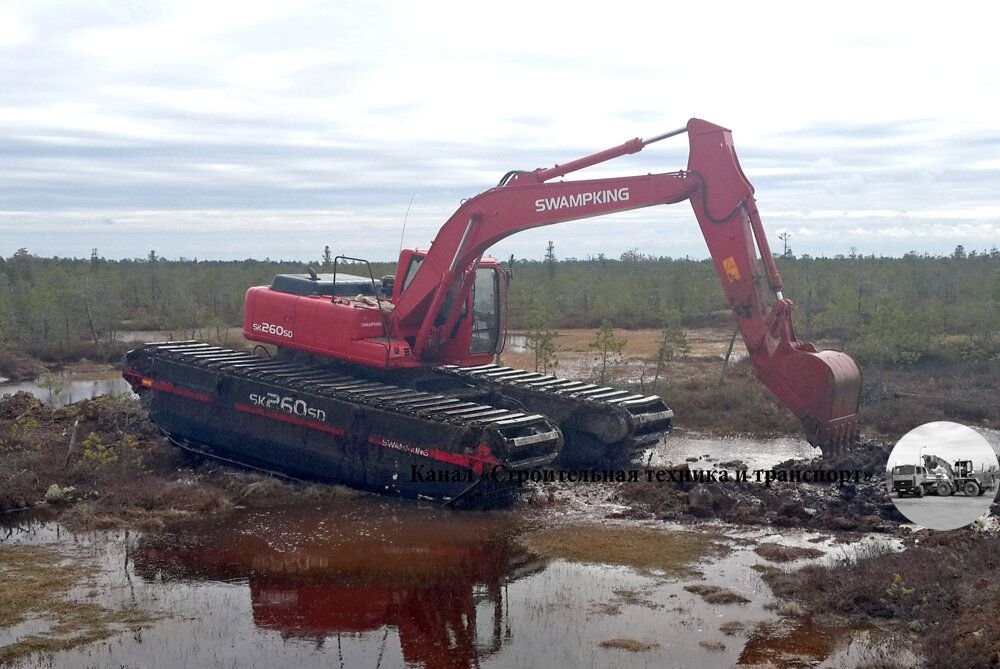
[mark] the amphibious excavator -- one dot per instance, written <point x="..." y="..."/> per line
<point x="392" y="384"/>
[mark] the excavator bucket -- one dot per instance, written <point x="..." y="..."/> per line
<point x="822" y="389"/>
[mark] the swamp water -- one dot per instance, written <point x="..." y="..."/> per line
<point x="377" y="583"/>
<point x="74" y="383"/>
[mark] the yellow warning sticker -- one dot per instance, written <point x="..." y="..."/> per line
<point x="732" y="271"/>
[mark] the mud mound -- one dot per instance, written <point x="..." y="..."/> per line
<point x="17" y="405"/>
<point x="867" y="456"/>
<point x="852" y="506"/>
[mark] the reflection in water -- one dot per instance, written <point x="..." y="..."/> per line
<point x="377" y="583"/>
<point x="805" y="642"/>
<point x="440" y="585"/>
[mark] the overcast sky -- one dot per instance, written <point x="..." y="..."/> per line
<point x="244" y="129"/>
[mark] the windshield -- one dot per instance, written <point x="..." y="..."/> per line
<point x="903" y="469"/>
<point x="411" y="271"/>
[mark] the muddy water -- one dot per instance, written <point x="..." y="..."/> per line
<point x="384" y="584"/>
<point x="704" y="452"/>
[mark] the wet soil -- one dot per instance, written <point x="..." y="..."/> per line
<point x="84" y="460"/>
<point x="321" y="574"/>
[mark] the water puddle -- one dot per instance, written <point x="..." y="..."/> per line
<point x="516" y="343"/>
<point x="83" y="381"/>
<point x="378" y="583"/>
<point x="703" y="452"/>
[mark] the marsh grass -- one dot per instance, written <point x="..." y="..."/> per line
<point x="945" y="587"/>
<point x="631" y="645"/>
<point x="780" y="553"/>
<point x="714" y="594"/>
<point x="640" y="548"/>
<point x="732" y="628"/>
<point x="625" y="597"/>
<point x="37" y="585"/>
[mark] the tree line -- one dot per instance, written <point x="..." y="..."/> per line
<point x="890" y="311"/>
<point x="893" y="311"/>
<point x="49" y="304"/>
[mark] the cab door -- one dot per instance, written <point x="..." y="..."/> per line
<point x="487" y="311"/>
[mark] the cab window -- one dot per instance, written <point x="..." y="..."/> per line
<point x="411" y="271"/>
<point x="485" y="312"/>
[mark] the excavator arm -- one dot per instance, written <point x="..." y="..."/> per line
<point x="822" y="388"/>
<point x="931" y="461"/>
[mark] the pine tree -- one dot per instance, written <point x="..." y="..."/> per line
<point x="608" y="347"/>
<point x="541" y="339"/>
<point x="550" y="260"/>
<point x="672" y="343"/>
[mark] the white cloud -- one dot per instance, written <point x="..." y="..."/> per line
<point x="856" y="134"/>
<point x="12" y="31"/>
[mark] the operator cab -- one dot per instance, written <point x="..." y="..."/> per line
<point x="964" y="468"/>
<point x="484" y="333"/>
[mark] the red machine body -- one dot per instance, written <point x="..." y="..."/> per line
<point x="360" y="328"/>
<point x="447" y="304"/>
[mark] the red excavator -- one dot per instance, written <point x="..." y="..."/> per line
<point x="392" y="385"/>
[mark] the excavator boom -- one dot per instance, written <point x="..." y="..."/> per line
<point x="822" y="388"/>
